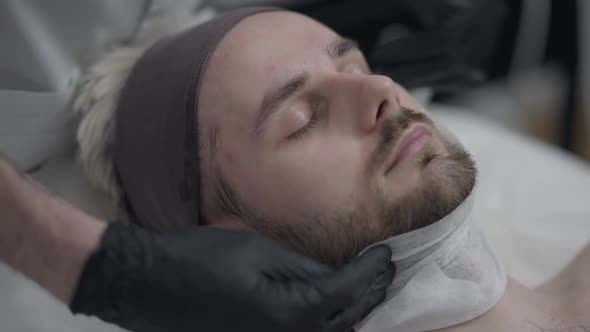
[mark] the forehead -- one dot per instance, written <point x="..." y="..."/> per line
<point x="262" y="51"/>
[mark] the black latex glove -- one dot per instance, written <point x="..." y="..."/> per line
<point x="205" y="279"/>
<point x="449" y="45"/>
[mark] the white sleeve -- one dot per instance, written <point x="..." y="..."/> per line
<point x="46" y="45"/>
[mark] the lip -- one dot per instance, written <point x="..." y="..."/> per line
<point x="414" y="140"/>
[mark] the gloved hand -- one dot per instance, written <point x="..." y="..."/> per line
<point x="206" y="279"/>
<point x="449" y="45"/>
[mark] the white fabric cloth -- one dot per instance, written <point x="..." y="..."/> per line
<point x="447" y="274"/>
<point x="45" y="48"/>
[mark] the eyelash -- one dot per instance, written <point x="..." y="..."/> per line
<point x="311" y="124"/>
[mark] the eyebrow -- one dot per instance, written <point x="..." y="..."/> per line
<point x="272" y="101"/>
<point x="341" y="47"/>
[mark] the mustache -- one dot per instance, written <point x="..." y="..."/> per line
<point x="392" y="130"/>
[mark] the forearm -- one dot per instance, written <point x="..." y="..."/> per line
<point x="42" y="236"/>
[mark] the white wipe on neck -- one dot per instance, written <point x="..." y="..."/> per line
<point x="447" y="274"/>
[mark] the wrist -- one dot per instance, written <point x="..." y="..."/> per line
<point x="42" y="236"/>
<point x="75" y="238"/>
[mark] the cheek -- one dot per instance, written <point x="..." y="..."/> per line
<point x="319" y="174"/>
<point x="238" y="170"/>
<point x="337" y="161"/>
<point x="230" y="157"/>
<point x="257" y="180"/>
<point x="327" y="168"/>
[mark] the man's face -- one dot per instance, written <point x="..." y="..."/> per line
<point x="300" y="141"/>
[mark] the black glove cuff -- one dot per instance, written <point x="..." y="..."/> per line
<point x="110" y="273"/>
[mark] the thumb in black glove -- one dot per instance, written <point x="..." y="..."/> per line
<point x="215" y="280"/>
<point x="449" y="45"/>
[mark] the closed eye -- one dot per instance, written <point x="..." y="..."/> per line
<point x="315" y="112"/>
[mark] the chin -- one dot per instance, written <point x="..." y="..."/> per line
<point x="429" y="155"/>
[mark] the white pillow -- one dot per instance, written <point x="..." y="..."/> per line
<point x="533" y="197"/>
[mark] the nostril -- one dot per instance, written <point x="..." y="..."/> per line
<point x="381" y="110"/>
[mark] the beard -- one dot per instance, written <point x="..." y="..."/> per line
<point x="336" y="238"/>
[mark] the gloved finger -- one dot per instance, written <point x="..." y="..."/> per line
<point x="385" y="279"/>
<point x="415" y="47"/>
<point x="347" y="286"/>
<point x="298" y="267"/>
<point x="363" y="307"/>
<point x="433" y="74"/>
<point x="459" y="81"/>
<point x="347" y="319"/>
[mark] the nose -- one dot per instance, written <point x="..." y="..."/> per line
<point x="369" y="99"/>
<point x="378" y="101"/>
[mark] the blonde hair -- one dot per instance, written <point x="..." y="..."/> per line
<point x="96" y="101"/>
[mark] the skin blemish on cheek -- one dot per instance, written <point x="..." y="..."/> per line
<point x="252" y="188"/>
<point x="272" y="68"/>
<point x="230" y="157"/>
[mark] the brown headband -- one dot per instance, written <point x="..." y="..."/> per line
<point x="156" y="139"/>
